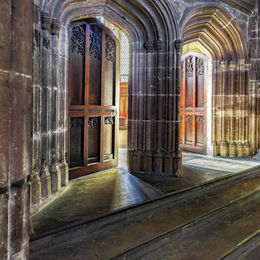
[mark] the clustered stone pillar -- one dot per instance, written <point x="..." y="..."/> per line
<point x="254" y="79"/>
<point x="50" y="171"/>
<point x="15" y="126"/>
<point x="63" y="106"/>
<point x="153" y="145"/>
<point x="231" y="109"/>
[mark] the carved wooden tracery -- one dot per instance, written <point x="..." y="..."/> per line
<point x="78" y="40"/>
<point x="189" y="66"/>
<point x="95" y="44"/>
<point x="199" y="66"/>
<point x="188" y="117"/>
<point x="199" y="119"/>
<point x="76" y="122"/>
<point x="110" y="49"/>
<point x="92" y="121"/>
<point x="109" y="120"/>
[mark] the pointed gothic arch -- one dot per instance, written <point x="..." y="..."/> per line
<point x="213" y="27"/>
<point x="153" y="145"/>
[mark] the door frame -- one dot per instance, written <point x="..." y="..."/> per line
<point x="207" y="95"/>
<point x="82" y="171"/>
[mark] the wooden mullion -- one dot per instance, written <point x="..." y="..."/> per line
<point x="205" y="104"/>
<point x="102" y="124"/>
<point x="87" y="69"/>
<point x="103" y="65"/>
<point x="86" y="96"/>
<point x="103" y="68"/>
<point x="194" y="101"/>
<point x="184" y="100"/>
<point x="85" y="140"/>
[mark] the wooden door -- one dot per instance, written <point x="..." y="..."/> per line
<point x="193" y="104"/>
<point x="92" y="99"/>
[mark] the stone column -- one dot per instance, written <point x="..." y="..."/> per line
<point x="215" y="106"/>
<point x="224" y="77"/>
<point x="254" y="77"/>
<point x="45" y="106"/>
<point x="15" y="126"/>
<point x="173" y="153"/>
<point x="54" y="127"/>
<point x="153" y="110"/>
<point x="35" y="177"/>
<point x="135" y="107"/>
<point x="240" y="82"/>
<point x="150" y="123"/>
<point x="63" y="106"/>
<point x="232" y="143"/>
<point x="161" y="113"/>
<point x="247" y="110"/>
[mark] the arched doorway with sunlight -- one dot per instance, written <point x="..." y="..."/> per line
<point x="195" y="99"/>
<point x="225" y="128"/>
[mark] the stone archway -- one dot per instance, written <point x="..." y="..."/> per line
<point x="153" y="86"/>
<point x="233" y="133"/>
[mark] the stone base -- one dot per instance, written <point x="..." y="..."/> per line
<point x="55" y="178"/>
<point x="64" y="173"/>
<point x="46" y="185"/>
<point x="35" y="189"/>
<point x="158" y="175"/>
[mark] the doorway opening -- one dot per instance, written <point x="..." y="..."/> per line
<point x="124" y="69"/>
<point x="196" y="99"/>
<point x="98" y="95"/>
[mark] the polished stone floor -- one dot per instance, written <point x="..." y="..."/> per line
<point x="107" y="191"/>
<point x="157" y="221"/>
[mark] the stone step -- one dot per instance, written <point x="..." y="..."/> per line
<point x="208" y="237"/>
<point x="132" y="228"/>
<point x="248" y="249"/>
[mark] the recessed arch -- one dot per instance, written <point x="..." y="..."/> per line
<point x="214" y="28"/>
<point x="153" y="83"/>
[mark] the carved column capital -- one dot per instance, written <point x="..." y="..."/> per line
<point x="178" y="45"/>
<point x="149" y="46"/>
<point x="55" y="27"/>
<point x="223" y="65"/>
<point x="241" y="64"/>
<point x="160" y="46"/>
<point x="232" y="65"/>
<point x="248" y="66"/>
<point x="45" y="21"/>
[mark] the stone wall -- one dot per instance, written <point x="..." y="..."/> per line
<point x="15" y="126"/>
<point x="50" y="169"/>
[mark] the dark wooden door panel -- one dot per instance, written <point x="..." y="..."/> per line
<point x="109" y="138"/>
<point x="95" y="59"/>
<point x="193" y="104"/>
<point x="77" y="64"/>
<point x="76" y="137"/>
<point x="93" y="140"/>
<point x="92" y="98"/>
